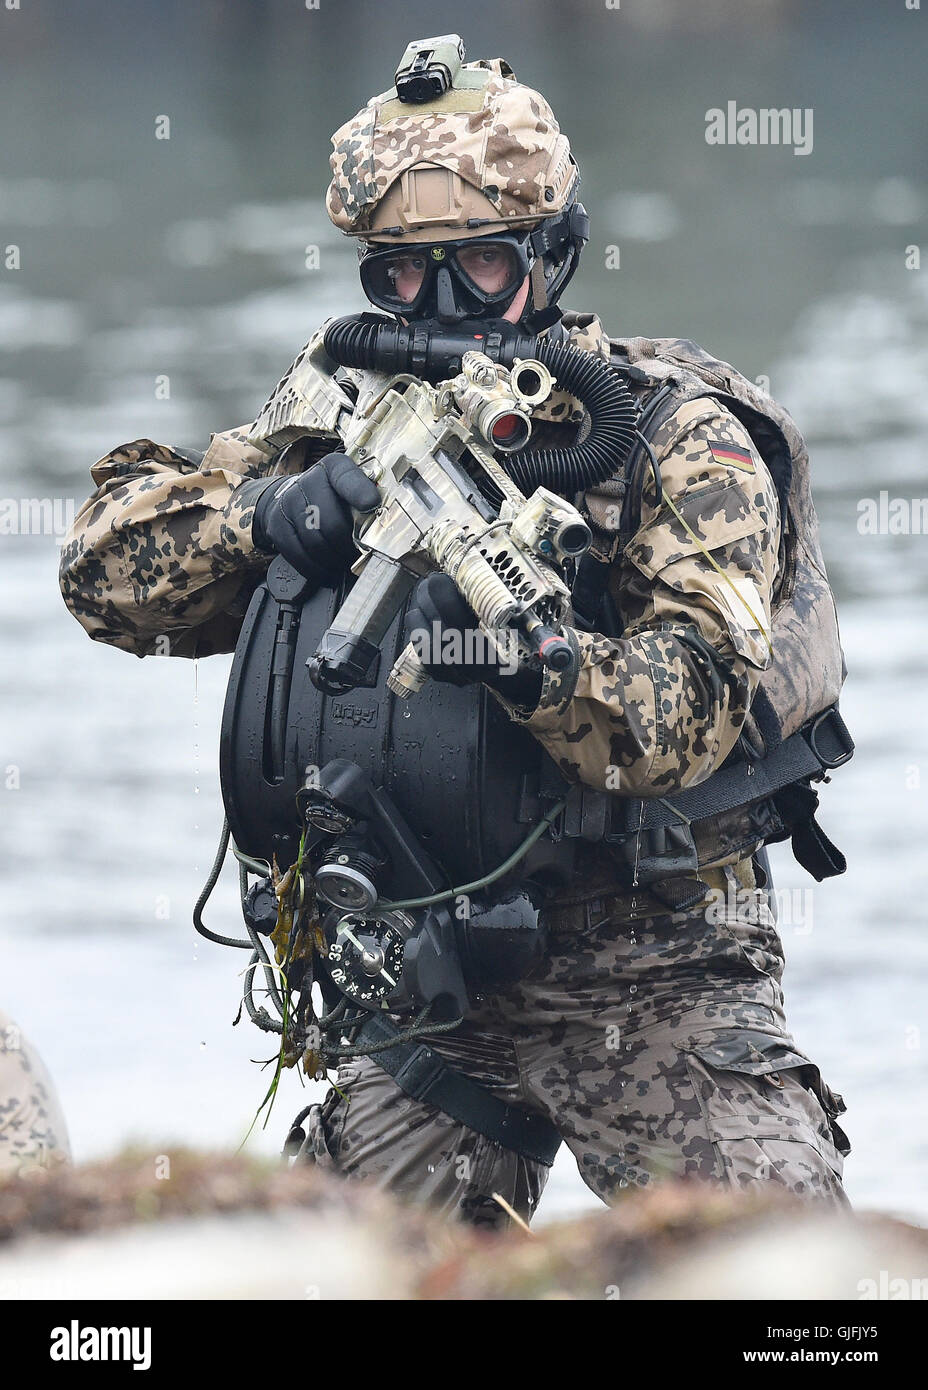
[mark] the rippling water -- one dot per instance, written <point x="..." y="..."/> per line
<point x="190" y="262"/>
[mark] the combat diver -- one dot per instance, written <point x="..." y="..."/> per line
<point x="651" y="1038"/>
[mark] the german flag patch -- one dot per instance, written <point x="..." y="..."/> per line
<point x="732" y="456"/>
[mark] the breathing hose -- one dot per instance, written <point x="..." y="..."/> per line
<point x="368" y="341"/>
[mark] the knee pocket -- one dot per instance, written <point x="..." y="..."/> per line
<point x="754" y="938"/>
<point x="768" y="1112"/>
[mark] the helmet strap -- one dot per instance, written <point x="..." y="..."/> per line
<point x="539" y="285"/>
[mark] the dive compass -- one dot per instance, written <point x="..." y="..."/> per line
<point x="364" y="954"/>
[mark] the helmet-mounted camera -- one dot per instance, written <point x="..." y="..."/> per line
<point x="428" y="68"/>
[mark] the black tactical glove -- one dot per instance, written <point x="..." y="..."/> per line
<point x="447" y="637"/>
<point x="307" y="518"/>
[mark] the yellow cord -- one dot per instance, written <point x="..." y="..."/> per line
<point x="715" y="564"/>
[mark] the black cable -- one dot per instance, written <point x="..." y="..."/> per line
<point x="421" y="1027"/>
<point x="269" y="968"/>
<point x="205" y="895"/>
<point x="259" y="1016"/>
<point x="655" y="467"/>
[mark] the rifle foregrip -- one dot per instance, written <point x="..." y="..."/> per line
<point x="346" y="656"/>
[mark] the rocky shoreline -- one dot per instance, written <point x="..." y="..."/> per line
<point x="184" y="1225"/>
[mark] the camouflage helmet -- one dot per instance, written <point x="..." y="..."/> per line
<point x="485" y="155"/>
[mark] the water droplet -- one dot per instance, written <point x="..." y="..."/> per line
<point x="202" y="1045"/>
<point x="633" y="989"/>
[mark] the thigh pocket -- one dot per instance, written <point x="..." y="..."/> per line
<point x="744" y="919"/>
<point x="768" y="1113"/>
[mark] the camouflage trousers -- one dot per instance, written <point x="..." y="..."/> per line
<point x="655" y="1042"/>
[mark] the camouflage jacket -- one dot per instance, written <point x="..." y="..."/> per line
<point x="160" y="560"/>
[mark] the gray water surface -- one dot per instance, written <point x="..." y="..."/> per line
<point x="188" y="259"/>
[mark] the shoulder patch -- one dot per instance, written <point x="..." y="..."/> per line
<point x="732" y="456"/>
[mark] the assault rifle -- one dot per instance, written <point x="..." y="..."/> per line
<point x="447" y="504"/>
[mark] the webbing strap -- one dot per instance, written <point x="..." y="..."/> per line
<point x="823" y="744"/>
<point x="423" y="1075"/>
<point x="784" y="777"/>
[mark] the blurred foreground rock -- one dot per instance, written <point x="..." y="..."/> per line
<point x="32" y="1127"/>
<point x="187" y="1226"/>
